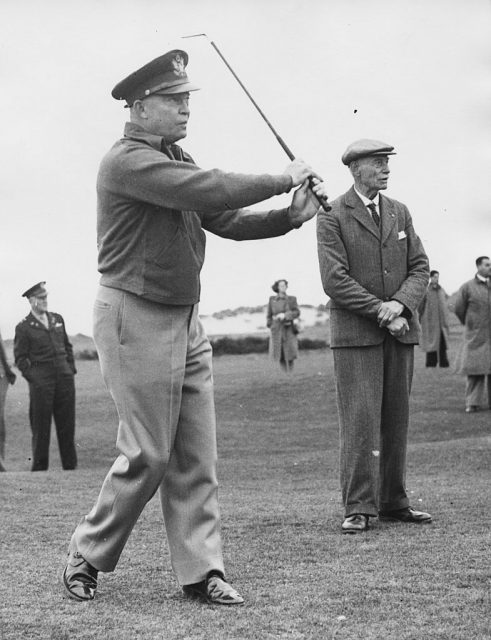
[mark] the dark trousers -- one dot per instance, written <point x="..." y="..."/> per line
<point x="373" y="385"/>
<point x="52" y="394"/>
<point x="438" y="357"/>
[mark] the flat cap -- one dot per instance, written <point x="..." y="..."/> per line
<point x="365" y="148"/>
<point x="36" y="290"/>
<point x="165" y="75"/>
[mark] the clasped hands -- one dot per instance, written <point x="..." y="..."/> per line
<point x="389" y="316"/>
<point x="305" y="202"/>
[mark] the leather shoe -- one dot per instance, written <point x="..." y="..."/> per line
<point x="355" y="524"/>
<point x="214" y="589"/>
<point x="79" y="577"/>
<point x="472" y="408"/>
<point x="407" y="514"/>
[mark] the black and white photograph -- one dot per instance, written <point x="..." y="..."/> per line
<point x="245" y="327"/>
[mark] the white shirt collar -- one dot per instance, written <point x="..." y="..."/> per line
<point x="366" y="201"/>
<point x="481" y="278"/>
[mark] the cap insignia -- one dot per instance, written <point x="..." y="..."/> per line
<point x="179" y="66"/>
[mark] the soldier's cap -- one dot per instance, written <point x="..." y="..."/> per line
<point x="37" y="290"/>
<point x="365" y="148"/>
<point x="164" y="75"/>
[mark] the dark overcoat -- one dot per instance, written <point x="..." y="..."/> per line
<point x="283" y="339"/>
<point x="473" y="308"/>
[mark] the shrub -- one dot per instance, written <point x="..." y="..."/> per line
<point x="86" y="354"/>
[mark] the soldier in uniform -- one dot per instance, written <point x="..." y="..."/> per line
<point x="44" y="356"/>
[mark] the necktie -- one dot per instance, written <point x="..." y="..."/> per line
<point x="375" y="215"/>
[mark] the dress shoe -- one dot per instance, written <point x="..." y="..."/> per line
<point x="472" y="409"/>
<point x="214" y="589"/>
<point x="406" y="515"/>
<point x="79" y="577"/>
<point x="355" y="524"/>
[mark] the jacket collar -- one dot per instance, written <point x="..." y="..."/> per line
<point x="34" y="320"/>
<point x="173" y="151"/>
<point x="359" y="211"/>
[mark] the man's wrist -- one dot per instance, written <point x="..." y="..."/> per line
<point x="405" y="312"/>
<point x="294" y="223"/>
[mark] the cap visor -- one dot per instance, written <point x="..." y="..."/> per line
<point x="178" y="88"/>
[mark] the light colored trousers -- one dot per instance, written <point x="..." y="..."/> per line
<point x="373" y="385"/>
<point x="156" y="363"/>
<point x="475" y="391"/>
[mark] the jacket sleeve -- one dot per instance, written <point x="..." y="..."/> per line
<point x="3" y="357"/>
<point x="460" y="303"/>
<point x="68" y="348"/>
<point x="343" y="290"/>
<point x="293" y="311"/>
<point x="422" y="306"/>
<point x="142" y="173"/>
<point x="243" y="224"/>
<point x="414" y="286"/>
<point x="22" y="351"/>
<point x="269" y="314"/>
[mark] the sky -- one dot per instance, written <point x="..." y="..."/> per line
<point x="325" y="72"/>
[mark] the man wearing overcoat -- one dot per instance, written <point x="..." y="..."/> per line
<point x="154" y="204"/>
<point x="472" y="307"/>
<point x="433" y="313"/>
<point x="375" y="271"/>
<point x="44" y="355"/>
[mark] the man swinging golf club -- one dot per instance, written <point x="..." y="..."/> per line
<point x="153" y="205"/>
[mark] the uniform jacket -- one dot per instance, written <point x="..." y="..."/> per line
<point x="361" y="266"/>
<point x="433" y="313"/>
<point x="473" y="308"/>
<point x="282" y="336"/>
<point x="153" y="204"/>
<point x="36" y="345"/>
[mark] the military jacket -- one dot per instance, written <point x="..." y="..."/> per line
<point x="153" y="204"/>
<point x="34" y="344"/>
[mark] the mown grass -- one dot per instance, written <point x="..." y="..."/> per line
<point x="278" y="469"/>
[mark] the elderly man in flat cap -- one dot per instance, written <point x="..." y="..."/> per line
<point x="44" y="355"/>
<point x="375" y="271"/>
<point x="154" y="204"/>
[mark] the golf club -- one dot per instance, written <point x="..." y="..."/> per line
<point x="280" y="140"/>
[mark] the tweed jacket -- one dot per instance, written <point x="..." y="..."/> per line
<point x="362" y="266"/>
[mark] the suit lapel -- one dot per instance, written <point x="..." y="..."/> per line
<point x="388" y="217"/>
<point x="360" y="213"/>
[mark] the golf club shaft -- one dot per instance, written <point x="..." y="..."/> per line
<point x="280" y="140"/>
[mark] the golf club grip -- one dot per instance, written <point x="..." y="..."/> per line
<point x="323" y="203"/>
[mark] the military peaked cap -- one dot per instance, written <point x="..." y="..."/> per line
<point x="164" y="75"/>
<point x="36" y="290"/>
<point x="366" y="148"/>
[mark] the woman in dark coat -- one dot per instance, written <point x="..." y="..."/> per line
<point x="282" y="312"/>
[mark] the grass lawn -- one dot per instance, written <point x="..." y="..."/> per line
<point x="278" y="468"/>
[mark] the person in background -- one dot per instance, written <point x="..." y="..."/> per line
<point x="472" y="307"/>
<point x="375" y="271"/>
<point x="281" y="319"/>
<point x="433" y="312"/>
<point x="7" y="376"/>
<point x="44" y="356"/>
<point x="154" y="206"/>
